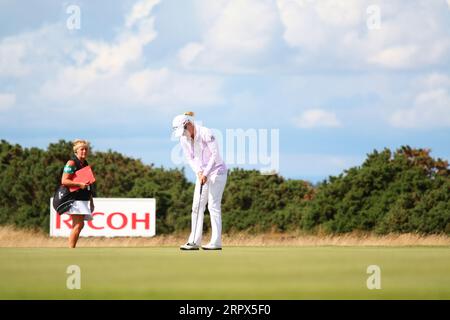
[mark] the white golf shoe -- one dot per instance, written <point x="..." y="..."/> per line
<point x="210" y="246"/>
<point x="189" y="246"/>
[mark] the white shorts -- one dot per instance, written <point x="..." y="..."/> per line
<point x="81" y="207"/>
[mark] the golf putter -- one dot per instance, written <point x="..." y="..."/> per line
<point x="198" y="209"/>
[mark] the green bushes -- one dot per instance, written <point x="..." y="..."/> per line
<point x="28" y="178"/>
<point x="407" y="191"/>
<point x="258" y="203"/>
<point x="404" y="191"/>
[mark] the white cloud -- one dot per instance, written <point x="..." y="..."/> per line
<point x="165" y="88"/>
<point x="189" y="52"/>
<point x="144" y="89"/>
<point x="434" y="80"/>
<point x="430" y="106"/>
<point x="236" y="39"/>
<point x="244" y="26"/>
<point x="311" y="24"/>
<point x="315" y="118"/>
<point x="11" y="55"/>
<point x="140" y="10"/>
<point x="36" y="52"/>
<point x="119" y="66"/>
<point x="7" y="100"/>
<point x="395" y="57"/>
<point x="431" y="110"/>
<point x="55" y="72"/>
<point x="334" y="34"/>
<point x="111" y="58"/>
<point x="97" y="64"/>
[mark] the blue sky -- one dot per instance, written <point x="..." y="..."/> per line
<point x="336" y="78"/>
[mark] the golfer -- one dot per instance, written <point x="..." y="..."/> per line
<point x="83" y="205"/>
<point x="201" y="150"/>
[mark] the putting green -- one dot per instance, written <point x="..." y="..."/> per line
<point x="234" y="273"/>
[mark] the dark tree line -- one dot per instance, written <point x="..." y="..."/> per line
<point x="402" y="191"/>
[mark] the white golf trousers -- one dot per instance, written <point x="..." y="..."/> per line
<point x="212" y="195"/>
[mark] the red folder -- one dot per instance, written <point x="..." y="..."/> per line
<point x="84" y="175"/>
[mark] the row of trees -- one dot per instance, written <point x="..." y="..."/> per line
<point x="402" y="191"/>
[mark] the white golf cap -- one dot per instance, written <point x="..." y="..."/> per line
<point x="179" y="122"/>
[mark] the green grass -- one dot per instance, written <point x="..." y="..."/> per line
<point x="234" y="273"/>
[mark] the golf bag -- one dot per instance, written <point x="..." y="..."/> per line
<point x="63" y="199"/>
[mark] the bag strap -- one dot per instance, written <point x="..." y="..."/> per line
<point x="78" y="163"/>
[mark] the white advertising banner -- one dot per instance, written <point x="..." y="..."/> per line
<point x="113" y="217"/>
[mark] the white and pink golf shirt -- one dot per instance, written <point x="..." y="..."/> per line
<point x="203" y="154"/>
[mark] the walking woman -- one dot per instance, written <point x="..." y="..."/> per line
<point x="202" y="152"/>
<point x="83" y="205"/>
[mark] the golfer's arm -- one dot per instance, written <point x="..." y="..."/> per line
<point x="212" y="146"/>
<point x="66" y="181"/>
<point x="190" y="159"/>
<point x="194" y="166"/>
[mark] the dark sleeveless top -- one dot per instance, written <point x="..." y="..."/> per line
<point x="82" y="194"/>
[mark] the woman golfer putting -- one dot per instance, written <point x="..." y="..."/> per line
<point x="201" y="150"/>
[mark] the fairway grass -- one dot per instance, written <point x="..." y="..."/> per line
<point x="233" y="273"/>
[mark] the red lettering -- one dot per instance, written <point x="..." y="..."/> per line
<point x="110" y="217"/>
<point x="91" y="223"/>
<point x="135" y="220"/>
<point x="68" y="221"/>
<point x="141" y="219"/>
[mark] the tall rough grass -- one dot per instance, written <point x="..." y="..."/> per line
<point x="13" y="237"/>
